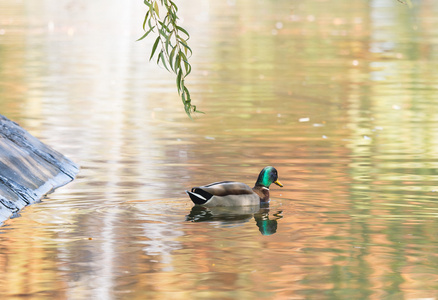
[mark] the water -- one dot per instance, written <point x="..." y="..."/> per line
<point x="339" y="97"/>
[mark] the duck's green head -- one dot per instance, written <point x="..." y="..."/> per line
<point x="267" y="177"/>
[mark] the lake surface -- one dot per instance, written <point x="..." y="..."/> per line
<point x="340" y="96"/>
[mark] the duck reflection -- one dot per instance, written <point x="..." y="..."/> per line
<point x="266" y="221"/>
<point x="266" y="225"/>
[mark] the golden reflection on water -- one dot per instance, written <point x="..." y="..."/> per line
<point x="339" y="97"/>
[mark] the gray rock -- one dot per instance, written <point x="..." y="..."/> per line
<point x="29" y="169"/>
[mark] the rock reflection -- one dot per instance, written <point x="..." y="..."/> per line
<point x="237" y="215"/>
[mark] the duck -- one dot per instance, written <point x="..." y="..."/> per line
<point x="232" y="193"/>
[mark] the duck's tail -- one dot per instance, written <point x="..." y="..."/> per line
<point x="199" y="196"/>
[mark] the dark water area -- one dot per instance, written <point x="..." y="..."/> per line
<point x="339" y="96"/>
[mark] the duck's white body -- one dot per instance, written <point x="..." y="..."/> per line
<point x="233" y="200"/>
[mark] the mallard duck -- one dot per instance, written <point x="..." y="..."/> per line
<point x="231" y="193"/>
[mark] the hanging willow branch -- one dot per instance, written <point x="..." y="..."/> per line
<point x="171" y="45"/>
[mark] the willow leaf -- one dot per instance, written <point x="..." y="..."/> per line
<point x="184" y="57"/>
<point x="186" y="91"/>
<point x="196" y="110"/>
<point x="146" y="34"/>
<point x="188" y="68"/>
<point x="145" y="20"/>
<point x="164" y="26"/>
<point x="186" y="64"/>
<point x="172" y="53"/>
<point x="154" y="47"/>
<point x="186" y="47"/>
<point x="183" y="30"/>
<point x="168" y="42"/>
<point x="157" y="11"/>
<point x="162" y="33"/>
<point x="178" y="80"/>
<point x="177" y="61"/>
<point x="173" y="15"/>
<point x="174" y="5"/>
<point x="163" y="61"/>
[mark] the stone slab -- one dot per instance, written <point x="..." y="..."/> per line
<point x="29" y="169"/>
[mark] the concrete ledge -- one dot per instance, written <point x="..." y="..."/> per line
<point x="29" y="169"/>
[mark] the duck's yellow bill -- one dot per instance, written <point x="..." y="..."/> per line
<point x="277" y="182"/>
